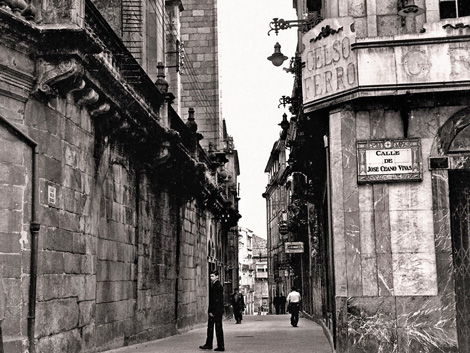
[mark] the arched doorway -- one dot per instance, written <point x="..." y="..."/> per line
<point x="459" y="199"/>
<point x="455" y="145"/>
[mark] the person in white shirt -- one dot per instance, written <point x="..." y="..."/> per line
<point x="293" y="303"/>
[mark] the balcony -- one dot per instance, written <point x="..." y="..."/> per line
<point x="340" y="67"/>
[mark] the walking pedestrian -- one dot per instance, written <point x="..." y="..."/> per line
<point x="282" y="303"/>
<point x="216" y="309"/>
<point x="293" y="303"/>
<point x="238" y="304"/>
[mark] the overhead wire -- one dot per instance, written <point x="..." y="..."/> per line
<point x="201" y="96"/>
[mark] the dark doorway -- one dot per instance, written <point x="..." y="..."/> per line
<point x="459" y="194"/>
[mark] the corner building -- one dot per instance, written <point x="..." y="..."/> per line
<point x="383" y="136"/>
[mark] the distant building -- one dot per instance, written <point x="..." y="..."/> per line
<point x="253" y="271"/>
<point x="260" y="263"/>
<point x="278" y="197"/>
<point x="246" y="279"/>
<point x="379" y="151"/>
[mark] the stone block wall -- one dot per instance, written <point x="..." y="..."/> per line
<point x="121" y="260"/>
<point x="192" y="288"/>
<point x="201" y="80"/>
<point x="394" y="291"/>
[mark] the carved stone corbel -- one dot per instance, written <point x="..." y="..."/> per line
<point x="103" y="108"/>
<point x="163" y="153"/>
<point x="90" y="96"/>
<point x="50" y="73"/>
<point x="78" y="87"/>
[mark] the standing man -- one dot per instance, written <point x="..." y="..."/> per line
<point x="216" y="309"/>
<point x="238" y="304"/>
<point x="282" y="303"/>
<point x="293" y="303"/>
<point x="276" y="303"/>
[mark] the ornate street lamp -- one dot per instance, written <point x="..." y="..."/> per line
<point x="277" y="58"/>
<point x="284" y="124"/>
<point x="409" y="8"/>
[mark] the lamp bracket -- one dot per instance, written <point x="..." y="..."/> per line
<point x="284" y="100"/>
<point x="294" y="65"/>
<point x="304" y="25"/>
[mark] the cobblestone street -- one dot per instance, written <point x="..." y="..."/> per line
<point x="260" y="334"/>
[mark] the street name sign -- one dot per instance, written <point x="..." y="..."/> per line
<point x="389" y="160"/>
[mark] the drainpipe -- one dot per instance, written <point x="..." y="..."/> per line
<point x="34" y="228"/>
<point x="138" y="199"/>
<point x="179" y="230"/>
<point x="331" y="259"/>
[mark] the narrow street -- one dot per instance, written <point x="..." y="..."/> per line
<point x="260" y="334"/>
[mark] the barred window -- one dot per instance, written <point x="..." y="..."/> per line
<point x="454" y="8"/>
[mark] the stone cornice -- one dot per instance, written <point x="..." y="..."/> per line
<point x="15" y="84"/>
<point x="363" y="43"/>
<point x="387" y="91"/>
<point x="91" y="68"/>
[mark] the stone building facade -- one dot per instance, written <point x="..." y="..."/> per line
<point x="245" y="268"/>
<point x="113" y="213"/>
<point x="260" y="267"/>
<point x="278" y="196"/>
<point x="253" y="272"/>
<point x="379" y="129"/>
<point x="199" y="32"/>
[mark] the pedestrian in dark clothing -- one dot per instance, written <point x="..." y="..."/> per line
<point x="277" y="304"/>
<point x="293" y="302"/>
<point x="216" y="309"/>
<point x="282" y="303"/>
<point x="238" y="304"/>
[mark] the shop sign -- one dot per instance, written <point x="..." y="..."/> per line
<point x="294" y="247"/>
<point x="283" y="228"/>
<point x="389" y="160"/>
<point x="282" y="266"/>
<point x="330" y="64"/>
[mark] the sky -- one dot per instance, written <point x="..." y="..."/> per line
<point x="251" y="88"/>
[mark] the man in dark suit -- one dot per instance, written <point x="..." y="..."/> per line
<point x="276" y="303"/>
<point x="238" y="304"/>
<point x="282" y="303"/>
<point x="216" y="310"/>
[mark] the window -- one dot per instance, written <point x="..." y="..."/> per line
<point x="454" y="8"/>
<point x="461" y="142"/>
<point x="313" y="5"/>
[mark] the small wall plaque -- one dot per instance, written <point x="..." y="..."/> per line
<point x="438" y="163"/>
<point x="389" y="161"/>
<point x="51" y="194"/>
